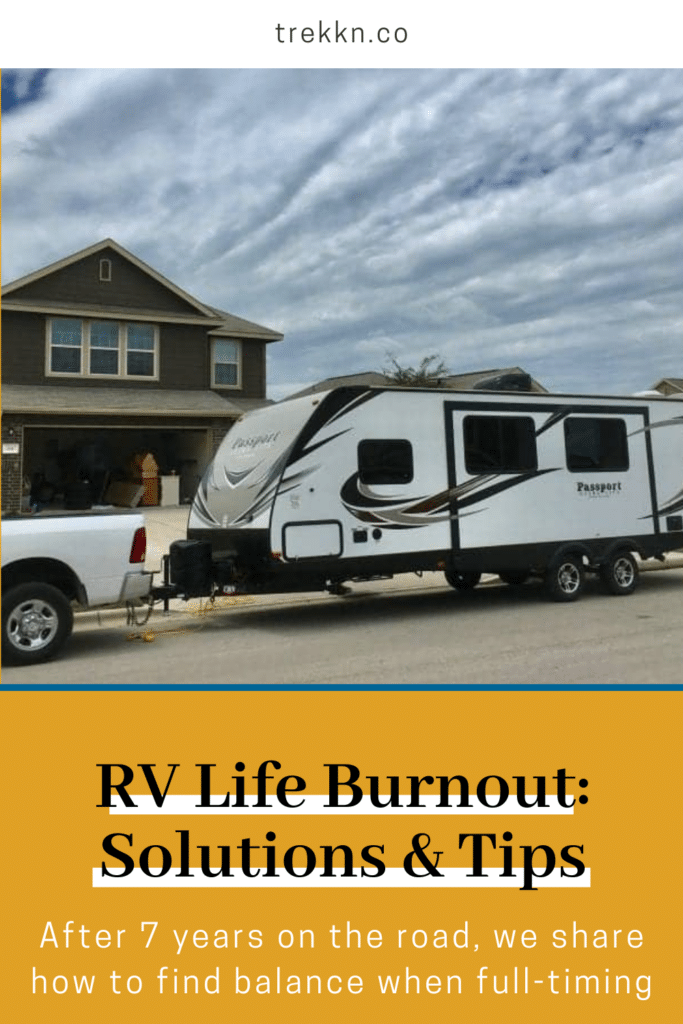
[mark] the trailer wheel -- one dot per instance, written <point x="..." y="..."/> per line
<point x="514" y="579"/>
<point x="619" y="574"/>
<point x="565" y="578"/>
<point x="462" y="580"/>
<point x="37" y="619"/>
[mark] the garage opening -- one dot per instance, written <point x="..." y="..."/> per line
<point x="68" y="467"/>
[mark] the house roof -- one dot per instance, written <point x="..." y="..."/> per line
<point x="222" y="323"/>
<point x="675" y="383"/>
<point x="232" y="326"/>
<point x="96" y="401"/>
<point x="371" y="378"/>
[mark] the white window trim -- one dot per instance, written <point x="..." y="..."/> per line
<point x="226" y="387"/>
<point x="85" y="351"/>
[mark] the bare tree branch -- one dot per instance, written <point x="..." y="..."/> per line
<point x="430" y="372"/>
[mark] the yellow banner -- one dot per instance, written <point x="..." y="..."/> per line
<point x="503" y="856"/>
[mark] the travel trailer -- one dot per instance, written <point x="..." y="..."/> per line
<point x="360" y="483"/>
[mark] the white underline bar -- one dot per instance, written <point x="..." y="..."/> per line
<point x="393" y="878"/>
<point x="315" y="804"/>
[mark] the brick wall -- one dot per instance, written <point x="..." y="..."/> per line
<point x="218" y="432"/>
<point x="12" y="433"/>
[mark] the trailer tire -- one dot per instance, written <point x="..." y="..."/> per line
<point x="619" y="574"/>
<point x="565" y="578"/>
<point x="462" y="580"/>
<point x="37" y="619"/>
<point x="514" y="579"/>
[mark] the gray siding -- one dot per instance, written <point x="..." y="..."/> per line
<point x="184" y="359"/>
<point x="80" y="283"/>
<point x="23" y="348"/>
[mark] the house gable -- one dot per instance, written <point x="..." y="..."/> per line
<point x="104" y="276"/>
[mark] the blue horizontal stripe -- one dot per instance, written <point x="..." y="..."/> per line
<point x="341" y="687"/>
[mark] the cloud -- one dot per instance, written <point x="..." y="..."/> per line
<point x="495" y="217"/>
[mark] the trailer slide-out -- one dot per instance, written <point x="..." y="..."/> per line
<point x="358" y="483"/>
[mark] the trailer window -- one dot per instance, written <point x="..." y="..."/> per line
<point x="385" y="462"/>
<point x="499" y="444"/>
<point x="597" y="444"/>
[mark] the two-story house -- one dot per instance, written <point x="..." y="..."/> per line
<point x="103" y="358"/>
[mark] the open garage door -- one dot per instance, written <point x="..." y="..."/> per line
<point x="60" y="461"/>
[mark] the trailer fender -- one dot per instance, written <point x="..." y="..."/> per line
<point x="623" y="544"/>
<point x="575" y="548"/>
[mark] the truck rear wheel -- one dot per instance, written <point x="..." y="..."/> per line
<point x="565" y="578"/>
<point x="37" y="619"/>
<point x="619" y="574"/>
<point x="462" y="580"/>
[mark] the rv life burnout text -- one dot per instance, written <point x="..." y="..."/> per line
<point x="344" y="790"/>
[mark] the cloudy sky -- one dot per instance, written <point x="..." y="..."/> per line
<point x="494" y="217"/>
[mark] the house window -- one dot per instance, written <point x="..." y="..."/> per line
<point x="385" y="462"/>
<point x="101" y="348"/>
<point x="65" y="346"/>
<point x="104" y="347"/>
<point x="226" y="364"/>
<point x="105" y="270"/>
<point x="595" y="444"/>
<point x="140" y="349"/>
<point x="499" y="444"/>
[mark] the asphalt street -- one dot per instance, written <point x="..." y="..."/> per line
<point x="422" y="632"/>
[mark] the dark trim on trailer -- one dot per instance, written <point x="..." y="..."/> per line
<point x="450" y="471"/>
<point x="256" y="571"/>
<point x="529" y="396"/>
<point x="651" y="471"/>
<point x="252" y="545"/>
<point x="334" y="405"/>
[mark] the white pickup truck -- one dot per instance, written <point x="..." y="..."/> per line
<point x="51" y="562"/>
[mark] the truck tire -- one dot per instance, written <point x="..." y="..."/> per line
<point x="462" y="580"/>
<point x="565" y="578"/>
<point x="37" y="619"/>
<point x="619" y="574"/>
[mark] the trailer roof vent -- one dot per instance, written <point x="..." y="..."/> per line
<point x="515" y="381"/>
